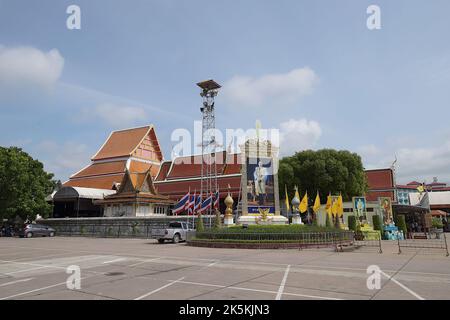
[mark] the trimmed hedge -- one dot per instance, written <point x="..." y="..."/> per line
<point x="328" y="222"/>
<point x="291" y="228"/>
<point x="377" y="223"/>
<point x="352" y="223"/>
<point x="401" y="223"/>
<point x="199" y="227"/>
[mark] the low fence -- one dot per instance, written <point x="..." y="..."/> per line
<point x="117" y="227"/>
<point x="433" y="242"/>
<point x="373" y="244"/>
<point x="262" y="240"/>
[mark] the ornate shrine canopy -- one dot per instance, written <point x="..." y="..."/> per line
<point x="136" y="187"/>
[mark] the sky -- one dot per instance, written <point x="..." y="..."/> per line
<point x="311" y="69"/>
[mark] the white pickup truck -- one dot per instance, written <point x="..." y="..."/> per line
<point x="175" y="232"/>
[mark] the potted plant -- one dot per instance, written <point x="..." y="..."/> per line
<point x="437" y="226"/>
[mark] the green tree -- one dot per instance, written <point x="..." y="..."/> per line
<point x="324" y="170"/>
<point x="23" y="185"/>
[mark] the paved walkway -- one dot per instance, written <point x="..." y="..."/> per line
<point x="142" y="269"/>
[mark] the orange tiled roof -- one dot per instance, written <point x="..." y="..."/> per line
<point x="163" y="171"/>
<point x="96" y="169"/>
<point x="191" y="166"/>
<point x="98" y="182"/>
<point x="122" y="143"/>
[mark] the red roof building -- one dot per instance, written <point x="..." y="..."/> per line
<point x="381" y="184"/>
<point x="176" y="177"/>
<point x="136" y="149"/>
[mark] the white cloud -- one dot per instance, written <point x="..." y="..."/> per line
<point x="273" y="89"/>
<point x="298" y="135"/>
<point x="425" y="162"/>
<point x="63" y="159"/>
<point x="27" y="66"/>
<point x="417" y="163"/>
<point x="369" y="150"/>
<point x="117" y="116"/>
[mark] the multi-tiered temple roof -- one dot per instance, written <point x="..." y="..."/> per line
<point x="135" y="149"/>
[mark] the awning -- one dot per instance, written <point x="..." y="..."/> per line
<point x="438" y="213"/>
<point x="67" y="193"/>
<point x="407" y="209"/>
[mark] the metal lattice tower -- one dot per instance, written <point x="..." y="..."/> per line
<point x="209" y="143"/>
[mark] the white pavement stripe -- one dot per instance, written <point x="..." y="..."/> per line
<point x="159" y="289"/>
<point x="283" y="283"/>
<point x="257" y="290"/>
<point x="26" y="270"/>
<point x="142" y="262"/>
<point x="403" y="286"/>
<point x="212" y="264"/>
<point x="14" y="282"/>
<point x="115" y="260"/>
<point x="40" y="289"/>
<point x="59" y="265"/>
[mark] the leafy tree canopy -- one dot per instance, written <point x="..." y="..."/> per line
<point x="325" y="171"/>
<point x="23" y="185"/>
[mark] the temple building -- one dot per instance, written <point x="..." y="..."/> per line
<point x="136" y="197"/>
<point x="128" y="176"/>
<point x="135" y="150"/>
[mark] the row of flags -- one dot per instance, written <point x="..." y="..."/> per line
<point x="334" y="205"/>
<point x="195" y="204"/>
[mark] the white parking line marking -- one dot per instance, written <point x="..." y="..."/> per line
<point x="40" y="289"/>
<point x="115" y="260"/>
<point x="159" y="289"/>
<point x="257" y="290"/>
<point x="402" y="286"/>
<point x="142" y="262"/>
<point x="212" y="264"/>
<point x="26" y="270"/>
<point x="283" y="283"/>
<point x="43" y="266"/>
<point x="17" y="281"/>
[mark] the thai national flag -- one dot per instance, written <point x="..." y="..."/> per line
<point x="206" y="204"/>
<point x="216" y="200"/>
<point x="198" y="203"/>
<point x="190" y="206"/>
<point x="181" y="205"/>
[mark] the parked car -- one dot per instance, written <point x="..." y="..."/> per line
<point x="7" y="231"/>
<point x="175" y="232"/>
<point x="36" y="230"/>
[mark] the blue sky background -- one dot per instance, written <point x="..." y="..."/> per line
<point x="383" y="93"/>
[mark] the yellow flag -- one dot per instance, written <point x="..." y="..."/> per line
<point x="329" y="205"/>
<point x="335" y="207"/>
<point x="316" y="206"/>
<point x="421" y="189"/>
<point x="303" y="207"/>
<point x="340" y="206"/>
<point x="288" y="208"/>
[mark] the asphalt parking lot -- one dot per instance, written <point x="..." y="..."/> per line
<point x="143" y="269"/>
